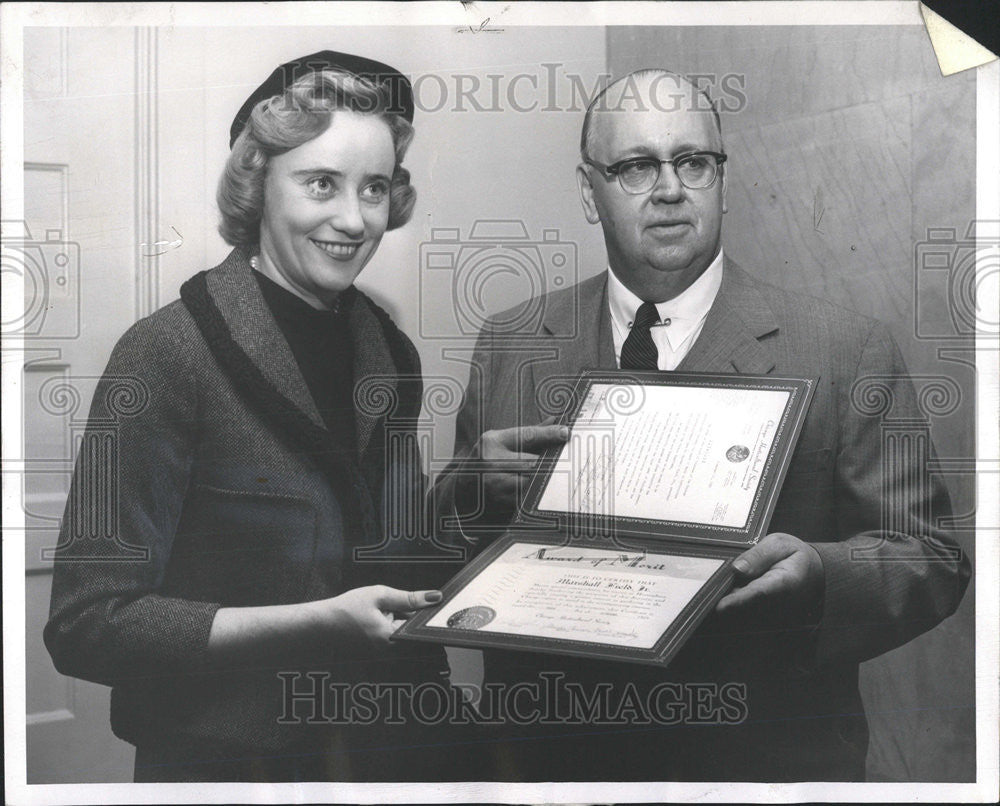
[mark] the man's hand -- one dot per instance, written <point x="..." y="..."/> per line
<point x="504" y="456"/>
<point x="781" y="572"/>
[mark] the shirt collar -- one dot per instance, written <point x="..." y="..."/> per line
<point x="685" y="311"/>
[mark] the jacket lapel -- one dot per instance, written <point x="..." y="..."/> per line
<point x="239" y="300"/>
<point x="581" y="319"/>
<point x="253" y="328"/>
<point x="375" y="374"/>
<point x="737" y="320"/>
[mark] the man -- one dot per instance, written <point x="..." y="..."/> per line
<point x="828" y="588"/>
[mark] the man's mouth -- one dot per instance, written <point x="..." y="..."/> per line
<point x="667" y="229"/>
<point x="340" y="251"/>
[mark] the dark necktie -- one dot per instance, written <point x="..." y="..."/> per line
<point x="638" y="351"/>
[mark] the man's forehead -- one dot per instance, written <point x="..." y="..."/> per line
<point x="655" y="110"/>
<point x="665" y="92"/>
<point x="654" y="128"/>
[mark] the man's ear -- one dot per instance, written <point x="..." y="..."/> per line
<point x="587" y="194"/>
<point x="725" y="184"/>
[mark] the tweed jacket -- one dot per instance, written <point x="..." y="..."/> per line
<point x="890" y="571"/>
<point x="223" y="499"/>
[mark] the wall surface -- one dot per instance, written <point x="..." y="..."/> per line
<point x="849" y="147"/>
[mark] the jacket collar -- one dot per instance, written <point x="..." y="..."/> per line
<point x="253" y="328"/>
<point x="729" y="341"/>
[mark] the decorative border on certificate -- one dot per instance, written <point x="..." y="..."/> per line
<point x="678" y="455"/>
<point x="581" y="598"/>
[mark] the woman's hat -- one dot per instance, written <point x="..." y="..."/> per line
<point x="398" y="85"/>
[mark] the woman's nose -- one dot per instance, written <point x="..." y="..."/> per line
<point x="346" y="216"/>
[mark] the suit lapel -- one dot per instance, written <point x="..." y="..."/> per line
<point x="580" y="318"/>
<point x="737" y="320"/>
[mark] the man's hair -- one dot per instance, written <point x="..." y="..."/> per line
<point x="279" y="124"/>
<point x="635" y="76"/>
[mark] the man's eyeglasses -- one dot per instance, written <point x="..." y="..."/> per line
<point x="696" y="170"/>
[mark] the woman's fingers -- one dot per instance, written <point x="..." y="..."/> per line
<point x="392" y="600"/>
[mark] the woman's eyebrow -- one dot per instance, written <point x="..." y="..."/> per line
<point x="302" y="173"/>
<point x="318" y="170"/>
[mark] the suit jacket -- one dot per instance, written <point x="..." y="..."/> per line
<point x="200" y="486"/>
<point x="890" y="571"/>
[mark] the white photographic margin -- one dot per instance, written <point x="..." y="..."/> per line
<point x="15" y="17"/>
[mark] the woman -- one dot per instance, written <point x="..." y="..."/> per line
<point x="246" y="476"/>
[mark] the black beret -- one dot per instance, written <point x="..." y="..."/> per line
<point x="398" y="86"/>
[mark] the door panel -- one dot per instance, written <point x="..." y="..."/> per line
<point x="82" y="215"/>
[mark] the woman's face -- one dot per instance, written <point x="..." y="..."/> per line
<point x="326" y="206"/>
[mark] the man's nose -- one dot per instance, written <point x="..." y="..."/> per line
<point x="668" y="187"/>
<point x="346" y="215"/>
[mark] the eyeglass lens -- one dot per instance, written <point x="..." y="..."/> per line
<point x="695" y="172"/>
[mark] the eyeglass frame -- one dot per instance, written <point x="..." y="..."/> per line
<point x="614" y="169"/>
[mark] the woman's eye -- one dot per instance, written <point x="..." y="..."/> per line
<point x="375" y="191"/>
<point x="321" y="186"/>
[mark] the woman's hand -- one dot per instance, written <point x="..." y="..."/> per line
<point x="359" y="618"/>
<point x="369" y="615"/>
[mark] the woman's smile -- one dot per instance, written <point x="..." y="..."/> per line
<point x="338" y="250"/>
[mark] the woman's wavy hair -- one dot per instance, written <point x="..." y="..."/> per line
<point x="286" y="121"/>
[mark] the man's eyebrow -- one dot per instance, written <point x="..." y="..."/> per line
<point x="648" y="151"/>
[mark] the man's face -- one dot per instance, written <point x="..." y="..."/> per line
<point x="663" y="239"/>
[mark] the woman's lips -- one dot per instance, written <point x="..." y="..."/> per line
<point x="340" y="251"/>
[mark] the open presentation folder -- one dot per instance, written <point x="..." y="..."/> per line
<point x="624" y="539"/>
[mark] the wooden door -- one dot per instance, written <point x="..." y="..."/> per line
<point x="90" y="189"/>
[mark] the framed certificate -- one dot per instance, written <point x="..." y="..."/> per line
<point x="624" y="538"/>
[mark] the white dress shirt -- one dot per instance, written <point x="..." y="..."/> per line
<point x="681" y="318"/>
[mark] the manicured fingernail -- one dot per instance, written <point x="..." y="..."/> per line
<point x="433" y="596"/>
<point x="741" y="565"/>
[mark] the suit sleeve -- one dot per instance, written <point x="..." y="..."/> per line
<point x="462" y="523"/>
<point x="107" y="619"/>
<point x="896" y="572"/>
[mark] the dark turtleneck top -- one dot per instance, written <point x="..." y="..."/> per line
<point x="321" y="343"/>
